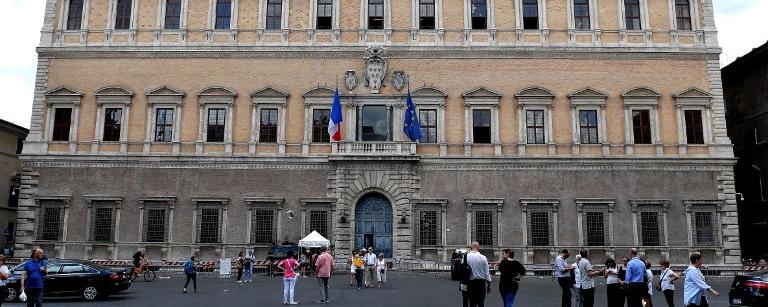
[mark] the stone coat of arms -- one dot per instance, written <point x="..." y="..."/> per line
<point x="375" y="68"/>
<point x="399" y="79"/>
<point x="350" y="80"/>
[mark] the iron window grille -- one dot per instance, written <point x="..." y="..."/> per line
<point x="156" y="222"/>
<point x="632" y="14"/>
<point x="375" y="14"/>
<point x="172" y="14"/>
<point x="530" y="14"/>
<point x="481" y="126"/>
<point x="428" y="122"/>
<point x="123" y="15"/>
<point x="479" y="14"/>
<point x="651" y="230"/>
<point x="427" y="14"/>
<point x="209" y="223"/>
<point x="534" y="121"/>
<point x="50" y="220"/>
<point x="216" y="125"/>
<point x="268" y="126"/>
<point x="113" y="118"/>
<point x="274" y="14"/>
<point x="318" y="220"/>
<point x="704" y="225"/>
<point x="263" y="226"/>
<point x="581" y="14"/>
<point x="103" y="221"/>
<point x="223" y="14"/>
<point x="484" y="227"/>
<point x="683" y="15"/>
<point x="641" y="126"/>
<point x="320" y="119"/>
<point x="428" y="225"/>
<point x="539" y="228"/>
<point x="694" y="131"/>
<point x="595" y="228"/>
<point x="164" y="125"/>
<point x="62" y="119"/>
<point x="588" y="127"/>
<point x="75" y="14"/>
<point x="324" y="14"/>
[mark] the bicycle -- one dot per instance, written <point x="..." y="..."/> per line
<point x="149" y="275"/>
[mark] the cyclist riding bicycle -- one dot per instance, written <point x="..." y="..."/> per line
<point x="139" y="263"/>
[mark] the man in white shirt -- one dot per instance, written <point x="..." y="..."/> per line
<point x="370" y="267"/>
<point x="586" y="283"/>
<point x="480" y="278"/>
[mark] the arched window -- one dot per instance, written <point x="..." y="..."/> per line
<point x="530" y="14"/>
<point x="75" y="14"/>
<point x="479" y="15"/>
<point x="683" y="14"/>
<point x="632" y="14"/>
<point x="172" y="14"/>
<point x="376" y="14"/>
<point x="426" y="14"/>
<point x="581" y="14"/>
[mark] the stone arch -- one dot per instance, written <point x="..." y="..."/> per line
<point x="217" y="91"/>
<point x="535" y="91"/>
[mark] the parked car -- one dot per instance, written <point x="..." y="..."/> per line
<point x="68" y="277"/>
<point x="750" y="289"/>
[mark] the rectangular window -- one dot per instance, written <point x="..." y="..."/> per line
<point x="534" y="125"/>
<point x="123" y="15"/>
<point x="172" y="14"/>
<point x="481" y="126"/>
<point x="268" y="126"/>
<point x="375" y="123"/>
<point x="216" y="125"/>
<point x="263" y="230"/>
<point x="588" y="127"/>
<point x="428" y="228"/>
<point x="375" y="14"/>
<point x="428" y="122"/>
<point x="223" y="14"/>
<point x="704" y="227"/>
<point x="75" y="14"/>
<point x="113" y="118"/>
<point x="641" y="126"/>
<point x="62" y="119"/>
<point x="595" y="228"/>
<point x="163" y="125"/>
<point x="320" y="119"/>
<point x="274" y="14"/>
<point x="694" y="131"/>
<point x="155" y="225"/>
<point x="538" y="229"/>
<point x="103" y="223"/>
<point x="683" y="15"/>
<point x="318" y="221"/>
<point x="479" y="15"/>
<point x="484" y="227"/>
<point x="581" y="14"/>
<point x="426" y="14"/>
<point x="324" y="14"/>
<point x="50" y="220"/>
<point x="530" y="14"/>
<point x="632" y="14"/>
<point x="650" y="229"/>
<point x="210" y="221"/>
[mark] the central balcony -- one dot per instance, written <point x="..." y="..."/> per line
<point x="374" y="150"/>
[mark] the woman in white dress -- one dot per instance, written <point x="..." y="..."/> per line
<point x="381" y="271"/>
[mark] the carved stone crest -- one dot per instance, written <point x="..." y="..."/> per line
<point x="399" y="79"/>
<point x="350" y="80"/>
<point x="375" y="68"/>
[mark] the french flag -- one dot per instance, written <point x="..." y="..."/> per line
<point x="336" y="118"/>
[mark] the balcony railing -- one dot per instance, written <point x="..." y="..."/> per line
<point x="374" y="149"/>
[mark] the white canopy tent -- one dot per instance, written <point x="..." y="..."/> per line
<point x="314" y="239"/>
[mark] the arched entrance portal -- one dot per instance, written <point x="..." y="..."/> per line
<point x="373" y="224"/>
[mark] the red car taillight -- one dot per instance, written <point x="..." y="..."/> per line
<point x="115" y="277"/>
<point x="758" y="285"/>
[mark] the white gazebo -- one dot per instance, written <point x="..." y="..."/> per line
<point x="314" y="239"/>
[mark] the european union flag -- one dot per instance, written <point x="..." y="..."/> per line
<point x="411" y="126"/>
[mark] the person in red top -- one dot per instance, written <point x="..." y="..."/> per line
<point x="288" y="266"/>
<point x="324" y="267"/>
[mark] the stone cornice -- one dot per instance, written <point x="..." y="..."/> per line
<point x="394" y="52"/>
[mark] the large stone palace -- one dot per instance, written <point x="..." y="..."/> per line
<point x="185" y="127"/>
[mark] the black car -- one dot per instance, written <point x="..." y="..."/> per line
<point x="73" y="278"/>
<point x="750" y="289"/>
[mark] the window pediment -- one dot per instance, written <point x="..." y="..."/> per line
<point x="114" y="91"/>
<point x="428" y="91"/>
<point x="165" y="91"/>
<point x="319" y="91"/>
<point x="588" y="96"/>
<point x="269" y="92"/>
<point x="63" y="95"/>
<point x="641" y="96"/>
<point x="534" y="92"/>
<point x="481" y="92"/>
<point x="693" y="97"/>
<point x="64" y="91"/>
<point x="217" y="91"/>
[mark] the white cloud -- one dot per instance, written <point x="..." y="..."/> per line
<point x="742" y="26"/>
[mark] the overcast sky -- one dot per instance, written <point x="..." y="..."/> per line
<point x="742" y="25"/>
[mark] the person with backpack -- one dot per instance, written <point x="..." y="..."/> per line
<point x="191" y="272"/>
<point x="289" y="266"/>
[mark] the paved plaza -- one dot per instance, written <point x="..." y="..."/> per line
<point x="405" y="289"/>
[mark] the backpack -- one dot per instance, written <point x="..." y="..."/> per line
<point x="189" y="267"/>
<point x="464" y="271"/>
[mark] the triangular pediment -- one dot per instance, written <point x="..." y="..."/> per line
<point x="165" y="91"/>
<point x="588" y="93"/>
<point x="693" y="92"/>
<point x="535" y="91"/>
<point x="641" y="92"/>
<point x="428" y="91"/>
<point x="63" y="91"/>
<point x="216" y="91"/>
<point x="113" y="91"/>
<point x="320" y="91"/>
<point x="269" y="92"/>
<point x="481" y="92"/>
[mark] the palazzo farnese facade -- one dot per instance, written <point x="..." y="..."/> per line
<point x="181" y="127"/>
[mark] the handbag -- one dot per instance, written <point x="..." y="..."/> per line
<point x="23" y="296"/>
<point x="658" y="284"/>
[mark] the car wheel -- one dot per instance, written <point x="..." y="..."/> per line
<point x="90" y="293"/>
<point x="11" y="295"/>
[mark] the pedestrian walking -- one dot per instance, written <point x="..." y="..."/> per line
<point x="4" y="275"/>
<point x="613" y="284"/>
<point x="509" y="282"/>
<point x="637" y="286"/>
<point x="370" y="267"/>
<point x="647" y="302"/>
<point x="289" y="266"/>
<point x="480" y="278"/>
<point x="695" y="285"/>
<point x="359" y="264"/>
<point x="577" y="279"/>
<point x="623" y="279"/>
<point x="352" y="275"/>
<point x="587" y="285"/>
<point x="324" y="268"/>
<point x="667" y="283"/>
<point x="304" y="263"/>
<point x="32" y="276"/>
<point x="191" y="271"/>
<point x="562" y="272"/>
<point x="239" y="262"/>
<point x="248" y="266"/>
<point x="381" y="271"/>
